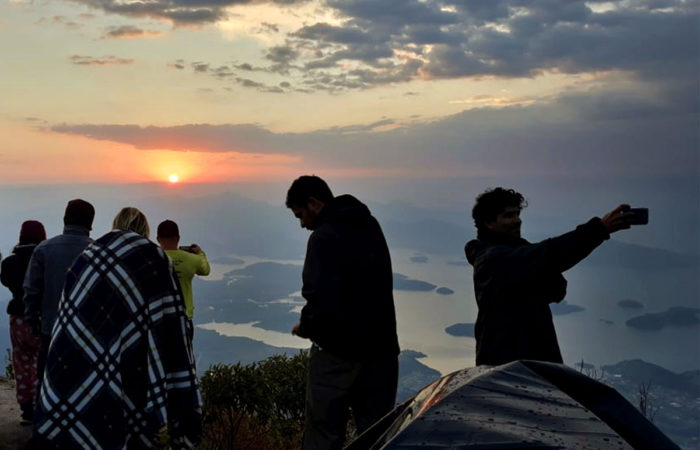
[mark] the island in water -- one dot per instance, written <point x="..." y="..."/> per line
<point x="678" y="316"/>
<point x="628" y="303"/>
<point x="461" y="330"/>
<point x="559" y="309"/>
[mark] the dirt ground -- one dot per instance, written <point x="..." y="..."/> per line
<point x="12" y="435"/>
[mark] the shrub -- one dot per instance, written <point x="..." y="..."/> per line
<point x="257" y="406"/>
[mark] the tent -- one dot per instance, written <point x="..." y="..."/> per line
<point x="522" y="404"/>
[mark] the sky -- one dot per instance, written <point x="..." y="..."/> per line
<point x="591" y="99"/>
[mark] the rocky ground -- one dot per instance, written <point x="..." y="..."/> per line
<point x="12" y="434"/>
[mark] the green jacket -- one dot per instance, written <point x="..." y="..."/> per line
<point x="187" y="265"/>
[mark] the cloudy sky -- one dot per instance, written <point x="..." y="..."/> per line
<point x="220" y="91"/>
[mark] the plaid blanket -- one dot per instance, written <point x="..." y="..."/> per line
<point x="120" y="365"/>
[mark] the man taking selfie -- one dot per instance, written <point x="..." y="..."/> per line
<point x="515" y="281"/>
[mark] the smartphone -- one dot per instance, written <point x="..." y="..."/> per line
<point x="187" y="248"/>
<point x="640" y="216"/>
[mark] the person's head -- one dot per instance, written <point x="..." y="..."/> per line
<point x="31" y="232"/>
<point x="131" y="219"/>
<point x="168" y="234"/>
<point x="306" y="198"/>
<point x="498" y="210"/>
<point x="79" y="213"/>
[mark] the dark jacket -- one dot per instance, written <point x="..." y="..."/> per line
<point x="514" y="283"/>
<point x="46" y="274"/>
<point x="14" y="267"/>
<point x="348" y="284"/>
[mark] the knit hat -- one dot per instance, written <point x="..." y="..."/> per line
<point x="168" y="229"/>
<point x="80" y="213"/>
<point x="32" y="232"/>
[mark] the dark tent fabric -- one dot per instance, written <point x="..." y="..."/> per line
<point x="523" y="404"/>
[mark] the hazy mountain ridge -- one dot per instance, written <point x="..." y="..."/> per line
<point x="639" y="371"/>
<point x="620" y="254"/>
<point x="225" y="223"/>
<point x="672" y="397"/>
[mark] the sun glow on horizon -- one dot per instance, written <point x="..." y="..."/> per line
<point x="173" y="178"/>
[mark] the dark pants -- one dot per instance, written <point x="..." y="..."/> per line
<point x="334" y="385"/>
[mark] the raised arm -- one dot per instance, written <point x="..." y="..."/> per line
<point x="203" y="265"/>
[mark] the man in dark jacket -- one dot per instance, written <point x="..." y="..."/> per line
<point x="515" y="281"/>
<point x="46" y="274"/>
<point x="349" y="314"/>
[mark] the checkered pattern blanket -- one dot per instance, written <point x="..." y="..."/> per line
<point x="120" y="366"/>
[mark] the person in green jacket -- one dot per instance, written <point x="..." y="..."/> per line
<point x="187" y="261"/>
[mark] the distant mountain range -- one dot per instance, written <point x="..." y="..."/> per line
<point x="638" y="371"/>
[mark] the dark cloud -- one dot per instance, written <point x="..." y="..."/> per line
<point x="377" y="43"/>
<point x="225" y="72"/>
<point x="101" y="61"/>
<point x="324" y="32"/>
<point x="198" y="137"/>
<point x="62" y="20"/>
<point x="249" y="83"/>
<point x="200" y="67"/>
<point x="282" y="54"/>
<point x="394" y="14"/>
<point x="262" y="87"/>
<point x="270" y="27"/>
<point x="596" y="133"/>
<point x="245" y="66"/>
<point x="180" y="12"/>
<point x="128" y="31"/>
<point x="654" y="39"/>
<point x="178" y="64"/>
<point x="222" y="72"/>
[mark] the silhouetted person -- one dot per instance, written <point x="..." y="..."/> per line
<point x="25" y="345"/>
<point x="515" y="281"/>
<point x="349" y="314"/>
<point x="187" y="262"/>
<point x="120" y="365"/>
<point x="51" y="259"/>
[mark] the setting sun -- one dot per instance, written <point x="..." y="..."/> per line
<point x="173" y="178"/>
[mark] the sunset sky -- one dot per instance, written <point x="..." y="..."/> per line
<point x="250" y="90"/>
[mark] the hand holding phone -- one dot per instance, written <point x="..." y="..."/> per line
<point x="638" y="216"/>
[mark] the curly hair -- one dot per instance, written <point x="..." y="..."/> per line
<point x="492" y="202"/>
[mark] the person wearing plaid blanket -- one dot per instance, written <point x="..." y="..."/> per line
<point x="120" y="367"/>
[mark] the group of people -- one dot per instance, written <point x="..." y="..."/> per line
<point x="101" y="332"/>
<point x="116" y="350"/>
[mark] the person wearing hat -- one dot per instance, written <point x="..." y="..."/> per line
<point x="187" y="261"/>
<point x="25" y="345"/>
<point x="46" y="274"/>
